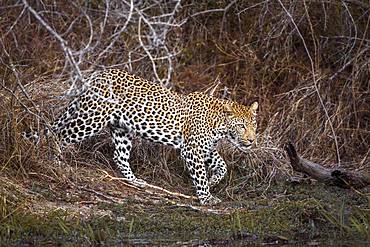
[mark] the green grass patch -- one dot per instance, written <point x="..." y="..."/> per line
<point x="311" y="213"/>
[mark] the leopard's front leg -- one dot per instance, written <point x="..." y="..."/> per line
<point x="193" y="156"/>
<point x="216" y="166"/>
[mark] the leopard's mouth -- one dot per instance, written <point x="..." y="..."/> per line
<point x="248" y="146"/>
<point x="247" y="143"/>
<point x="244" y="147"/>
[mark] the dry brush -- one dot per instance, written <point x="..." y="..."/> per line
<point x="306" y="62"/>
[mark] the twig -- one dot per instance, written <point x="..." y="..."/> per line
<point x="146" y="186"/>
<point x="212" y="89"/>
<point x="100" y="194"/>
<point x="203" y="209"/>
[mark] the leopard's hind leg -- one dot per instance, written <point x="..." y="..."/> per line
<point x="122" y="139"/>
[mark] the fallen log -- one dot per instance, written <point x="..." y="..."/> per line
<point x="332" y="176"/>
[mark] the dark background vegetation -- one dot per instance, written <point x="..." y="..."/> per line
<point x="305" y="62"/>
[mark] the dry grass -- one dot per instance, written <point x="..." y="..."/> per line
<point x="306" y="62"/>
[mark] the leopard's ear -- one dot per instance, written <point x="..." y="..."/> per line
<point x="253" y="108"/>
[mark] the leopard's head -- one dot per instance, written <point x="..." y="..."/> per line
<point x="242" y="124"/>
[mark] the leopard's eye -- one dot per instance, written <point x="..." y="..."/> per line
<point x="254" y="122"/>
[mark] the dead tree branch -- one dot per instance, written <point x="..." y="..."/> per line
<point x="331" y="176"/>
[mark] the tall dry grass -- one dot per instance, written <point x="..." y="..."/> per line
<point x="306" y="62"/>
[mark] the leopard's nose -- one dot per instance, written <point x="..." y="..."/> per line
<point x="249" y="137"/>
<point x="251" y="141"/>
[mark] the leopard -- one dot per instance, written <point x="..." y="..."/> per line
<point x="130" y="106"/>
